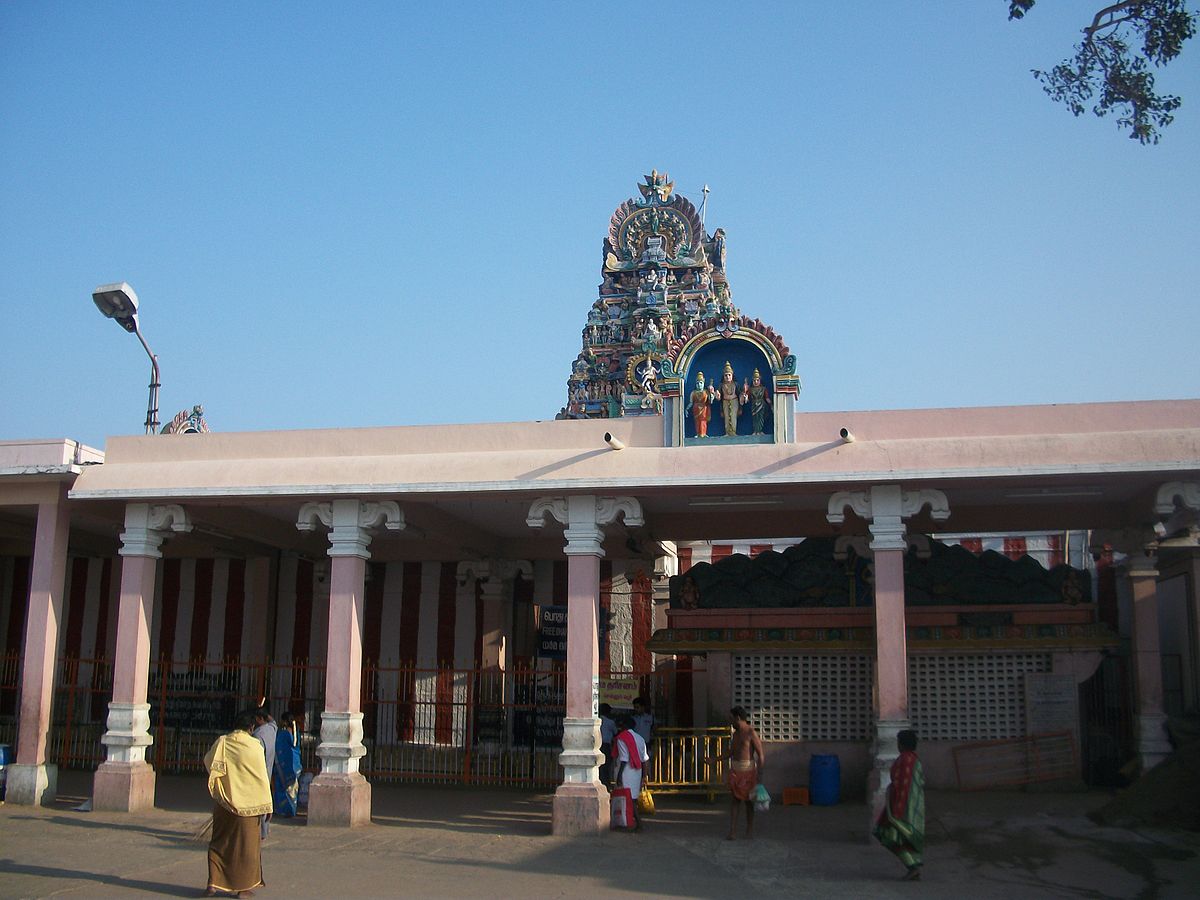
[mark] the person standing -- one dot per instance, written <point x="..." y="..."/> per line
<point x="901" y="824"/>
<point x="285" y="779"/>
<point x="241" y="792"/>
<point x="643" y="719"/>
<point x="608" y="733"/>
<point x="631" y="759"/>
<point x="266" y="731"/>
<point x="745" y="755"/>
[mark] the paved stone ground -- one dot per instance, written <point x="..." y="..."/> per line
<point x="458" y="842"/>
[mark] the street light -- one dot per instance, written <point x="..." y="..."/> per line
<point x="118" y="301"/>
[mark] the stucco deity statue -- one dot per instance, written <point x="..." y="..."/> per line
<point x="700" y="401"/>
<point x="649" y="376"/>
<point x="650" y="285"/>
<point x="651" y="335"/>
<point x="759" y="398"/>
<point x="731" y="403"/>
<point x="689" y="594"/>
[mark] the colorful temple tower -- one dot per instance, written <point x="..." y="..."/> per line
<point x="664" y="337"/>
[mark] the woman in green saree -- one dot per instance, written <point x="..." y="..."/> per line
<point x="901" y="825"/>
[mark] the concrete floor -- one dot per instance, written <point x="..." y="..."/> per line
<point x="460" y="842"/>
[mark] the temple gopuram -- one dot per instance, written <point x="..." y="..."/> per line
<point x="664" y="337"/>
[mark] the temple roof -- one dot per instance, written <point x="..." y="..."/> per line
<point x="470" y="487"/>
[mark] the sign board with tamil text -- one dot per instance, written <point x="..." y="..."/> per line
<point x="552" y="632"/>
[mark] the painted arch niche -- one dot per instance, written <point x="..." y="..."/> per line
<point x="745" y="350"/>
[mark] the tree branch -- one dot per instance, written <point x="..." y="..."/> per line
<point x="1110" y="11"/>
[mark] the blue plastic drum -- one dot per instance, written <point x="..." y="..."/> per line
<point x="824" y="780"/>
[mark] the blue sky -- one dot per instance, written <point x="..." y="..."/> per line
<point x="375" y="214"/>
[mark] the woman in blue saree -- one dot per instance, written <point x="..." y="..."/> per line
<point x="285" y="777"/>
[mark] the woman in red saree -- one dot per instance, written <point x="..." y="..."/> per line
<point x="901" y="825"/>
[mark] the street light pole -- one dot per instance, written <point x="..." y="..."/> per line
<point x="119" y="302"/>
<point x="152" y="404"/>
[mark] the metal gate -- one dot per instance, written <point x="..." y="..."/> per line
<point x="1107" y="741"/>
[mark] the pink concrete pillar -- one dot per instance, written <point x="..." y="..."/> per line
<point x="258" y="610"/>
<point x="1153" y="746"/>
<point x="495" y="580"/>
<point x="583" y="640"/>
<point x="581" y="802"/>
<point x="340" y="795"/>
<point x="891" y="647"/>
<point x="31" y="780"/>
<point x="124" y="782"/>
<point x="888" y="546"/>
<point x="885" y="507"/>
<point x="497" y="619"/>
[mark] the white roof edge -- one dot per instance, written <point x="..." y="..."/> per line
<point x="626" y="484"/>
<point x="18" y="471"/>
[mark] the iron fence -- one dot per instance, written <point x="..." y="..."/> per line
<point x="420" y="724"/>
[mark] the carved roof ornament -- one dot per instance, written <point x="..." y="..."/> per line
<point x="187" y="422"/>
<point x="657" y="186"/>
<point x="659" y="229"/>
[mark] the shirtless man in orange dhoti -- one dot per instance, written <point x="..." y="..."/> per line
<point x="745" y="757"/>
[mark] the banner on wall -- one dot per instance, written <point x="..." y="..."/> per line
<point x="618" y="692"/>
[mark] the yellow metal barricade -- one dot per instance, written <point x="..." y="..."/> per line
<point x="682" y="760"/>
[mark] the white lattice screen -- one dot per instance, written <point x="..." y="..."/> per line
<point x="974" y="697"/>
<point x="824" y="697"/>
<point x="794" y="697"/>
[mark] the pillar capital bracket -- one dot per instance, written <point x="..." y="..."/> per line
<point x="861" y="545"/>
<point x="583" y="515"/>
<point x="1137" y="543"/>
<point x="146" y="527"/>
<point x="1186" y="493"/>
<point x="350" y="522"/>
<point x="887" y="500"/>
<point x="886" y="506"/>
<point x="1178" y="503"/>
